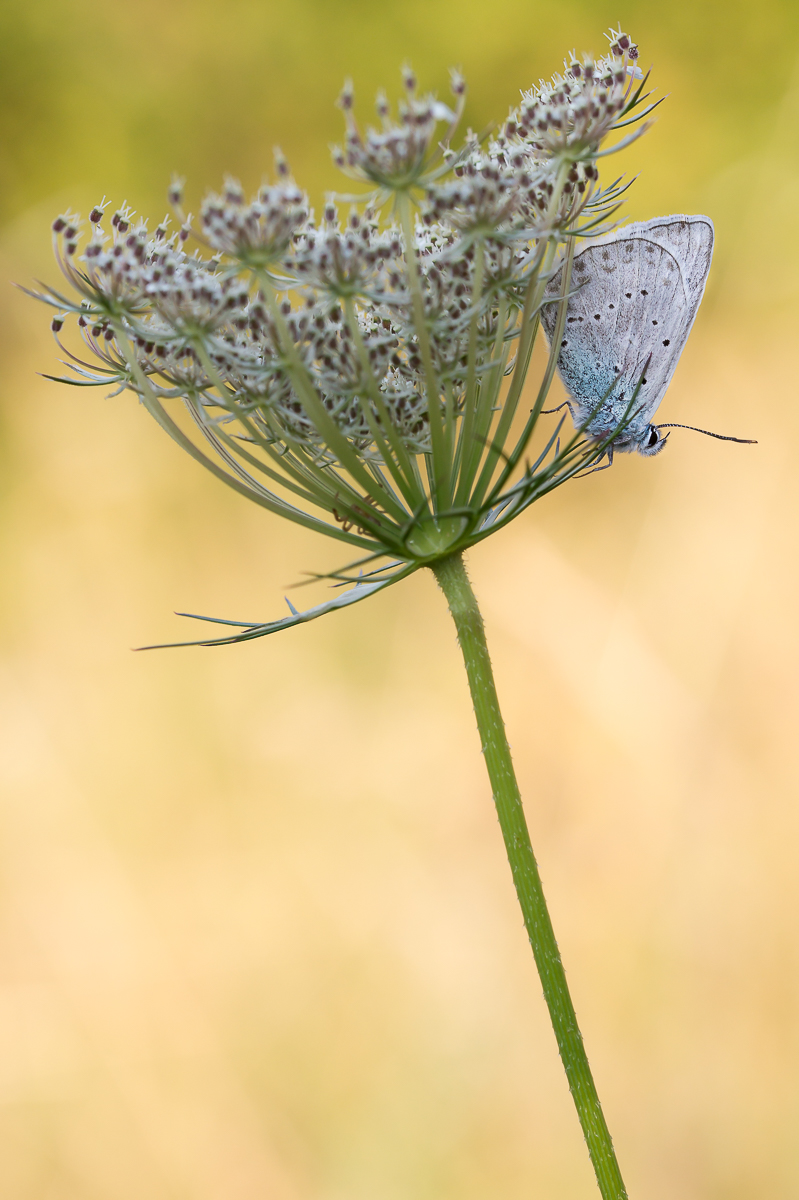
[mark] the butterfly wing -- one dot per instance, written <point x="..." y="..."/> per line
<point x="636" y="295"/>
<point x="690" y="239"/>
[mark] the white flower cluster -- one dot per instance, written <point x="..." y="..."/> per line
<point x="401" y="152"/>
<point x="258" y="231"/>
<point x="354" y="342"/>
<point x="576" y="110"/>
<point x="199" y="323"/>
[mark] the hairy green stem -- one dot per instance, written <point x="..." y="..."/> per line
<point x="454" y="582"/>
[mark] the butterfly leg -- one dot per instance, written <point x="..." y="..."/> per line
<point x="565" y="404"/>
<point x="604" y="467"/>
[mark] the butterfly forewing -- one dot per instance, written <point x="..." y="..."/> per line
<point x="635" y="297"/>
<point x="691" y="241"/>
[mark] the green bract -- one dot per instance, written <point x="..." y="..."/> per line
<point x="365" y="374"/>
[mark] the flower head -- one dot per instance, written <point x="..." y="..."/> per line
<point x="571" y="114"/>
<point x="259" y="231"/>
<point x="406" y="152"/>
<point x="363" y="374"/>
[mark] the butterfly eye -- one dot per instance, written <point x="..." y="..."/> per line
<point x="654" y="437"/>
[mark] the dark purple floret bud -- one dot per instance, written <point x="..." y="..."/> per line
<point x="233" y="192"/>
<point x="347" y="96"/>
<point x="458" y="84"/>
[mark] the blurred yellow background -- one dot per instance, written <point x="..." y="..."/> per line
<point x="258" y="938"/>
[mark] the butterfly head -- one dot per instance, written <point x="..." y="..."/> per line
<point x="652" y="441"/>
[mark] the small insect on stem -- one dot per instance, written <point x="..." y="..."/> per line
<point x="347" y="522"/>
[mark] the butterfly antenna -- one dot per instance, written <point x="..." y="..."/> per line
<point x="722" y="437"/>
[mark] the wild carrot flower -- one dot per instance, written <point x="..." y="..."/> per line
<point x="362" y="372"/>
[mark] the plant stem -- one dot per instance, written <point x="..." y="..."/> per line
<point x="454" y="582"/>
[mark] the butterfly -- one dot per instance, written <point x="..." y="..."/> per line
<point x="634" y="297"/>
